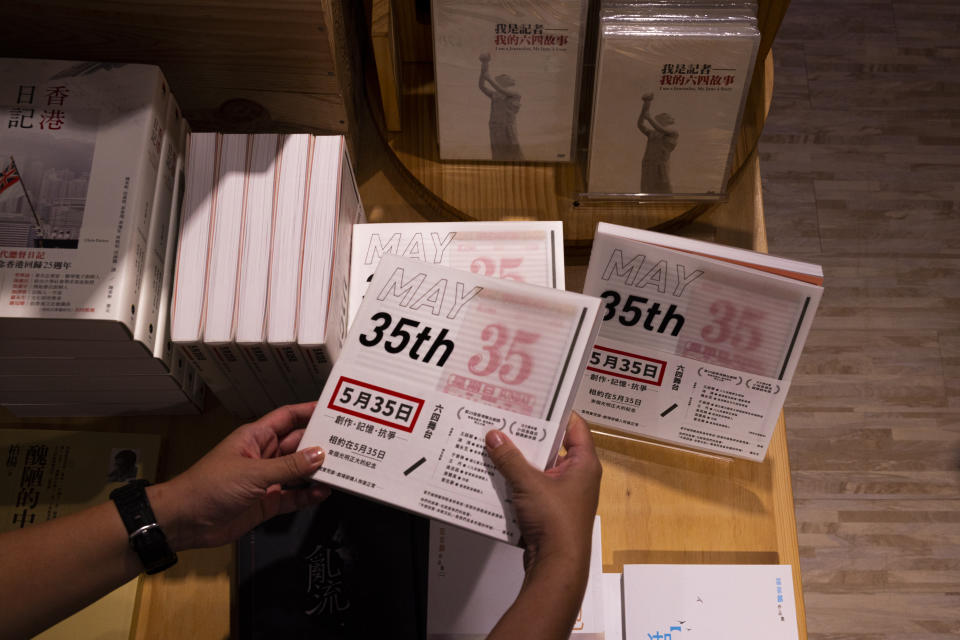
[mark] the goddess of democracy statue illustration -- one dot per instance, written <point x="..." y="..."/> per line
<point x="661" y="141"/>
<point x="504" y="104"/>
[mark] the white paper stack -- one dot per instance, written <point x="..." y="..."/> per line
<point x="671" y="83"/>
<point x="91" y="161"/>
<point x="522" y="251"/>
<point x="709" y="602"/>
<point x="435" y="358"/>
<point x="508" y="77"/>
<point x="260" y="302"/>
<point x="472" y="581"/>
<point x="699" y="341"/>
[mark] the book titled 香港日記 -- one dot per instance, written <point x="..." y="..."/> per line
<point x="79" y="163"/>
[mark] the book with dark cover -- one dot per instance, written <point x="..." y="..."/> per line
<point x="347" y="568"/>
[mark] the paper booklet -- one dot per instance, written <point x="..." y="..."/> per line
<point x="508" y="76"/>
<point x="472" y="581"/>
<point x="612" y="606"/>
<point x="694" y="350"/>
<point x="79" y="159"/>
<point x="436" y="358"/>
<point x="709" y="602"/>
<point x="668" y="97"/>
<point x="522" y="251"/>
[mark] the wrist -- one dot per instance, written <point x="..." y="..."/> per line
<point x="167" y="508"/>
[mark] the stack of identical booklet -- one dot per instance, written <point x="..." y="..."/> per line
<point x="671" y="84"/>
<point x="260" y="299"/>
<point x="91" y="164"/>
<point x="434" y="359"/>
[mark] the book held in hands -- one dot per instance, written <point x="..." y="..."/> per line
<point x="435" y="358"/>
<point x="698" y="343"/>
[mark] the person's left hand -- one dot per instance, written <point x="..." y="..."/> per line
<point x="240" y="482"/>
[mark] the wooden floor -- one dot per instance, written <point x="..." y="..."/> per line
<point x="861" y="167"/>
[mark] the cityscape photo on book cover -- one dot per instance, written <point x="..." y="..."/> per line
<point x="45" y="159"/>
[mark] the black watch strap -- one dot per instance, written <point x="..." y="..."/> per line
<point x="146" y="537"/>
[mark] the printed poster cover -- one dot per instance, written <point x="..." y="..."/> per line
<point x="507" y="75"/>
<point x="73" y="136"/>
<point x="435" y="358"/>
<point x="666" y="109"/>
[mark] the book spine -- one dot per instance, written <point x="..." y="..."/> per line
<point x="242" y="377"/>
<point x="151" y="289"/>
<point x="293" y="364"/>
<point x="320" y="362"/>
<point x="262" y="361"/>
<point x="133" y="249"/>
<point x="216" y="379"/>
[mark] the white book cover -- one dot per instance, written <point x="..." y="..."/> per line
<point x="709" y="602"/>
<point x="472" y="580"/>
<point x="436" y="358"/>
<point x="79" y="158"/>
<point x="522" y="251"/>
<point x="333" y="209"/>
<point x="508" y="76"/>
<point x="613" y="606"/>
<point x="151" y="291"/>
<point x="163" y="348"/>
<point x="286" y="260"/>
<point x="666" y="106"/>
<point x="693" y="351"/>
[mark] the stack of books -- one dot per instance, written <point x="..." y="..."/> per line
<point x="260" y="295"/>
<point x="91" y="162"/>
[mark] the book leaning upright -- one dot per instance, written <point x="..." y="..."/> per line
<point x="79" y="160"/>
<point x="435" y="358"/>
<point x="699" y="341"/>
<point x="508" y="75"/>
<point x="522" y="250"/>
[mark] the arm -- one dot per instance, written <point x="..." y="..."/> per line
<point x="645" y="113"/>
<point x="555" y="510"/>
<point x="54" y="569"/>
<point x="485" y="75"/>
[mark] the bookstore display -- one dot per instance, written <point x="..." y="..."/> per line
<point x="143" y="264"/>
<point x="92" y="163"/>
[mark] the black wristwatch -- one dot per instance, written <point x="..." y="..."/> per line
<point x="146" y="537"/>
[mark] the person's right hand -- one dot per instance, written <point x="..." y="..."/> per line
<point x="647" y="97"/>
<point x="555" y="508"/>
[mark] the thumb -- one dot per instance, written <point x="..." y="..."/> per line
<point x="509" y="460"/>
<point x="290" y="468"/>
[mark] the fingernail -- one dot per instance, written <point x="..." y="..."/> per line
<point x="494" y="438"/>
<point x="314" y="455"/>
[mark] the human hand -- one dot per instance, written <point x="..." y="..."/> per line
<point x="484" y="58"/>
<point x="555" y="508"/>
<point x="647" y="97"/>
<point x="240" y="482"/>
